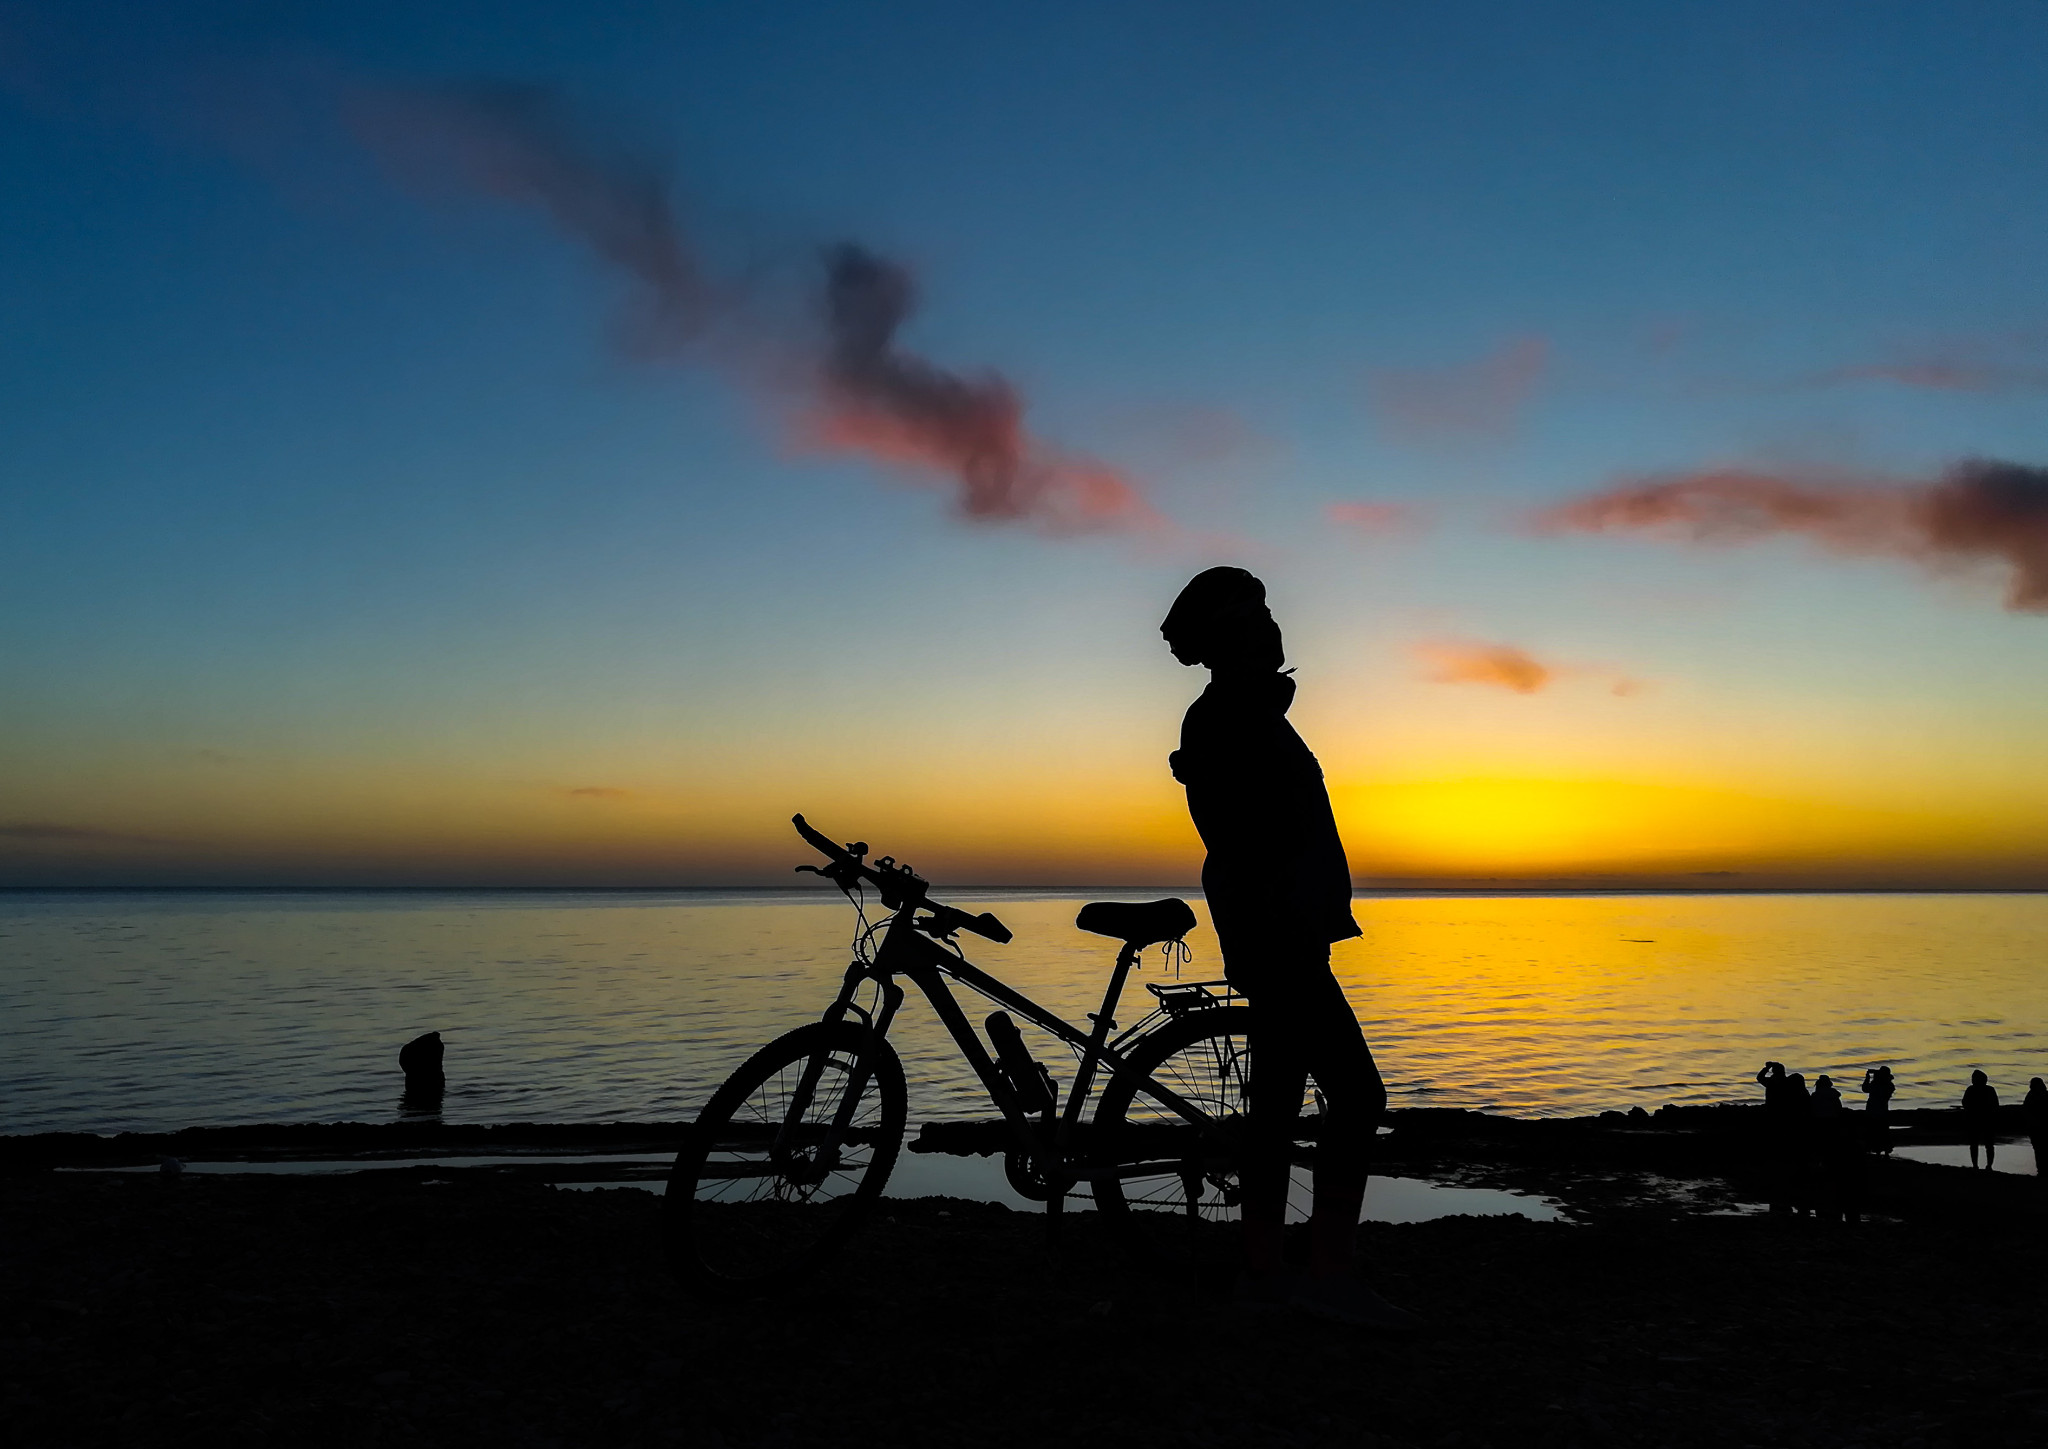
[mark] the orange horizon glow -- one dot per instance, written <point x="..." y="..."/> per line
<point x="1078" y="832"/>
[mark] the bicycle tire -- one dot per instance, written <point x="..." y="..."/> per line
<point x="1205" y="1057"/>
<point x="739" y="1219"/>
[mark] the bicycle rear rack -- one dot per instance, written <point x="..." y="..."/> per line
<point x="1179" y="998"/>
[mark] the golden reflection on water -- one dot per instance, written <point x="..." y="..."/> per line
<point x="140" y="1012"/>
<point x="1560" y="1004"/>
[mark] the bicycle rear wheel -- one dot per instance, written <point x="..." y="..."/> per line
<point x="763" y="1193"/>
<point x="1204" y="1059"/>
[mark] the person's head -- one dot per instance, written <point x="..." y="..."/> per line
<point x="2036" y="1085"/>
<point x="1221" y="620"/>
<point x="1978" y="1079"/>
<point x="1824" y="1081"/>
<point x="1797" y="1079"/>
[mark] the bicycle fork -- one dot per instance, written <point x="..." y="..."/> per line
<point x="874" y="1028"/>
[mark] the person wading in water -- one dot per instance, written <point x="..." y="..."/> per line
<point x="1279" y="893"/>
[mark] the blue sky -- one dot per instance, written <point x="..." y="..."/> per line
<point x="321" y="492"/>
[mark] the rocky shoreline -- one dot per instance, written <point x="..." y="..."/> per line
<point x="1679" y="1159"/>
<point x="381" y="1308"/>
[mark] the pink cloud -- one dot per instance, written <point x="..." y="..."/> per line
<point x="1482" y="399"/>
<point x="893" y="406"/>
<point x="1374" y="520"/>
<point x="1190" y="435"/>
<point x="1509" y="667"/>
<point x="1944" y="376"/>
<point x="1997" y="364"/>
<point x="1468" y="661"/>
<point x="852" y="387"/>
<point x="1977" y="514"/>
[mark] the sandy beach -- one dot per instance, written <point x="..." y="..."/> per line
<point x="394" y="1309"/>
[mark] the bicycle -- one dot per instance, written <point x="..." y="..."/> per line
<point x="791" y="1153"/>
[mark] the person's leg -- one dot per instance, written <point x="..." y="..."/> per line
<point x="1279" y="1074"/>
<point x="1777" y="1162"/>
<point x="1973" y="1152"/>
<point x="1354" y="1100"/>
<point x="1990" y="1153"/>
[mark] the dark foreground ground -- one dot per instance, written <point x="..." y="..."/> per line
<point x="387" y="1310"/>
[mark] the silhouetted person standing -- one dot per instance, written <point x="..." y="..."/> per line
<point x="1784" y="1135"/>
<point x="1877" y="1107"/>
<point x="1799" y="1133"/>
<point x="1279" y="892"/>
<point x="1836" y="1155"/>
<point x="2035" y="1105"/>
<point x="1980" y="1118"/>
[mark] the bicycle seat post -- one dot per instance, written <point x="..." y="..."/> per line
<point x="1105" y="1023"/>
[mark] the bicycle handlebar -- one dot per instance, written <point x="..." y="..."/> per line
<point x="900" y="888"/>
<point x="950" y="919"/>
<point x="837" y="854"/>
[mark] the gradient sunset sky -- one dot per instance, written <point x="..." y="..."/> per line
<point x="430" y="452"/>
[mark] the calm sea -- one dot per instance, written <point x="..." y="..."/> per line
<point x="155" y="1011"/>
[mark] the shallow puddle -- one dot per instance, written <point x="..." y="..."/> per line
<point x="2013" y="1157"/>
<point x="917" y="1174"/>
<point x="1387" y="1199"/>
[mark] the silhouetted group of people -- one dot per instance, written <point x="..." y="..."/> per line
<point x="1980" y="1112"/>
<point x="1816" y="1149"/>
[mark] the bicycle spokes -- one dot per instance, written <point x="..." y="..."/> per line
<point x="786" y="1145"/>
<point x="788" y="1154"/>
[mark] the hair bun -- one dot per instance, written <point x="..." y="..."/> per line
<point x="1214" y="596"/>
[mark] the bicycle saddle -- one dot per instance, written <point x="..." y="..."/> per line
<point x="1138" y="925"/>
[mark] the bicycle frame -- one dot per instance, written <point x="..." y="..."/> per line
<point x="907" y="950"/>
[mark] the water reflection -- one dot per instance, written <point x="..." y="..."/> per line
<point x="1387" y="1199"/>
<point x="421" y="1103"/>
<point x="2013" y="1157"/>
<point x="154" y="1012"/>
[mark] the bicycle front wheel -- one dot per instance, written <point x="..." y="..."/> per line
<point x="767" y="1188"/>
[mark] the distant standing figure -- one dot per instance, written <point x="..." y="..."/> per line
<point x="1799" y="1118"/>
<point x="1784" y="1134"/>
<point x="1980" y="1118"/>
<point x="2036" y="1107"/>
<point x="1837" y="1156"/>
<point x="1877" y="1105"/>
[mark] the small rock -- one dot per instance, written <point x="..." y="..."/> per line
<point x="420" y="1059"/>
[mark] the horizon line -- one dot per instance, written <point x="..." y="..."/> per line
<point x="1451" y="887"/>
